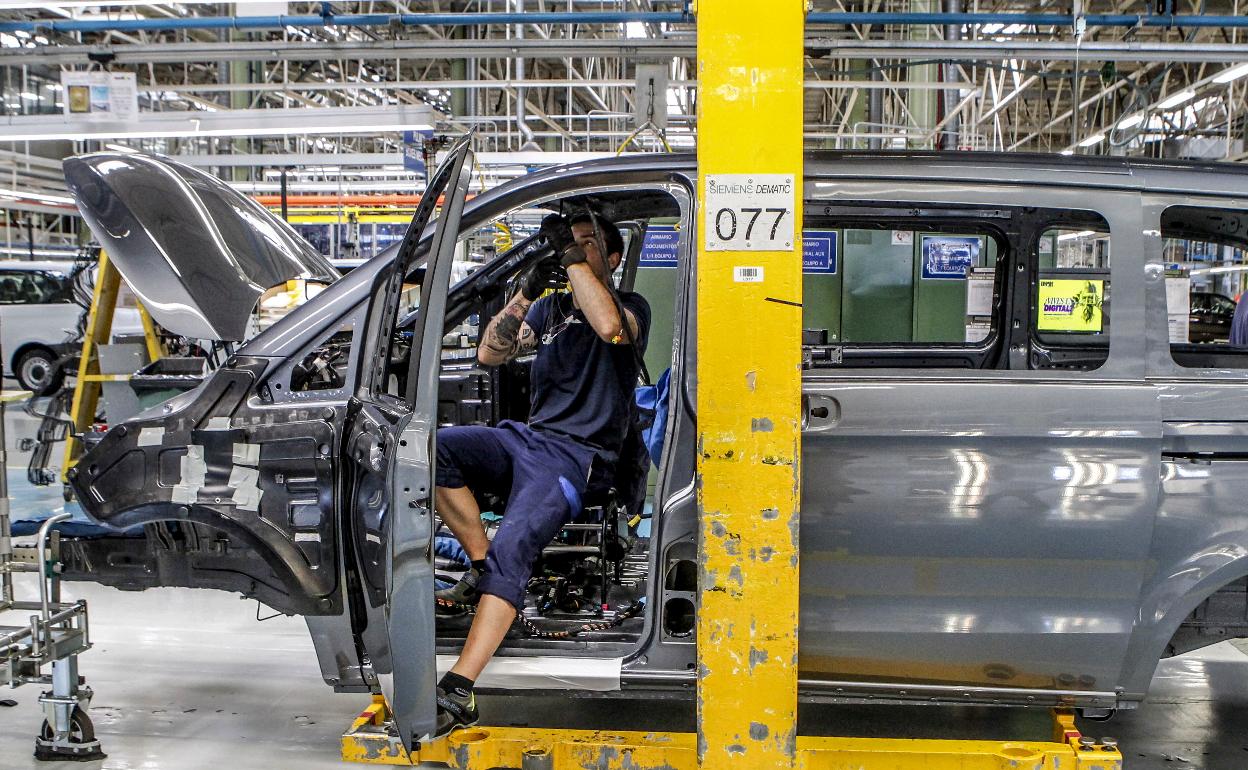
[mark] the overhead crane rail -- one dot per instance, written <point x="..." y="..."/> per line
<point x="372" y="20"/>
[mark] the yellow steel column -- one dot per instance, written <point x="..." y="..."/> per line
<point x="749" y="378"/>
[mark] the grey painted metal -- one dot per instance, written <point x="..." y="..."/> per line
<point x="1003" y="536"/>
<point x="981" y="50"/>
<point x="409" y="605"/>
<point x="520" y="16"/>
<point x="630" y="48"/>
<point x="198" y="253"/>
<point x="173" y="53"/>
<point x="390" y="441"/>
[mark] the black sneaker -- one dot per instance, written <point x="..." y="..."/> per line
<point x="456" y="708"/>
<point x="456" y="599"/>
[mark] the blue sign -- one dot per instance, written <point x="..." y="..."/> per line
<point x="949" y="257"/>
<point x="819" y="251"/>
<point x="659" y="248"/>
<point x="414" y="150"/>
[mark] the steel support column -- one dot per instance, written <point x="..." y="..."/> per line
<point x="749" y="389"/>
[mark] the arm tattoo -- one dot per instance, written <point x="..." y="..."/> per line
<point x="502" y="336"/>
<point x="527" y="341"/>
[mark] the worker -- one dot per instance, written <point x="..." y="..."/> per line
<point x="1239" y="323"/>
<point x="589" y="349"/>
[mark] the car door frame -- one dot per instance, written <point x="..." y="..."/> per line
<point x="390" y="443"/>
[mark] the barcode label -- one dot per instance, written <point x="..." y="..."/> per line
<point x="747" y="274"/>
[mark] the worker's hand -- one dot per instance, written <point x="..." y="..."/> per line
<point x="546" y="274"/>
<point x="559" y="235"/>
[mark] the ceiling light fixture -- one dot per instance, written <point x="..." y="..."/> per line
<point x="1174" y="100"/>
<point x="1234" y="73"/>
<point x="1093" y="140"/>
<point x="1131" y="121"/>
<point x="252" y="122"/>
<point x="40" y="197"/>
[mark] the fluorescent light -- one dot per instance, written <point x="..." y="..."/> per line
<point x="1175" y="100"/>
<point x="1131" y="121"/>
<point x="67" y="253"/>
<point x="42" y="198"/>
<point x="1074" y="236"/>
<point x="1093" y="140"/>
<point x="1234" y="73"/>
<point x="91" y="4"/>
<point x="251" y="122"/>
<point x="1067" y="152"/>
<point x="364" y="172"/>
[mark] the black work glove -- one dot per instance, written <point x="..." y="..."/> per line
<point x="546" y="274"/>
<point x="559" y="235"/>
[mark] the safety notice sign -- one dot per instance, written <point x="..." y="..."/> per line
<point x="749" y="212"/>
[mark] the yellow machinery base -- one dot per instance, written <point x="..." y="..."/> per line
<point x="371" y="739"/>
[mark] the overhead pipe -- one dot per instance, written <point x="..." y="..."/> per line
<point x="605" y="17"/>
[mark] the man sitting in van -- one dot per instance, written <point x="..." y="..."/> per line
<point x="581" y="389"/>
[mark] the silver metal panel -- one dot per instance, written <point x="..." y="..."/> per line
<point x="959" y="533"/>
<point x="196" y="252"/>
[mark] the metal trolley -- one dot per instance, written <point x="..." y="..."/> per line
<point x="48" y="632"/>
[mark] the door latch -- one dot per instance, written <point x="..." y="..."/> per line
<point x="819" y="412"/>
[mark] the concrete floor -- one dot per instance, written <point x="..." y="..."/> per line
<point x="188" y="679"/>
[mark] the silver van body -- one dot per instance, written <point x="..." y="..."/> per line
<point x="1009" y="521"/>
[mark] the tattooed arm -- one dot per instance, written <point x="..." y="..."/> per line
<point x="507" y="335"/>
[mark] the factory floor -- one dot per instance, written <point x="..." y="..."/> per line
<point x="188" y="679"/>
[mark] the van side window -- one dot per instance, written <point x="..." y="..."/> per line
<point x="1070" y="297"/>
<point x="884" y="288"/>
<point x="1206" y="254"/>
<point x="29" y="287"/>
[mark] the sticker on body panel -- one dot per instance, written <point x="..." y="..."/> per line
<point x="749" y="212"/>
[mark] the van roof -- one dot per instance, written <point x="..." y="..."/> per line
<point x="1188" y="176"/>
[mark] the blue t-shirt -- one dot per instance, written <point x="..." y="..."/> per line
<point x="580" y="385"/>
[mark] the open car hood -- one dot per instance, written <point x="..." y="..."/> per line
<point x="198" y="253"/>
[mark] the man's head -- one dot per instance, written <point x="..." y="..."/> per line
<point x="583" y="229"/>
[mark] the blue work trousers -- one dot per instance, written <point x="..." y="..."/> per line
<point x="544" y="478"/>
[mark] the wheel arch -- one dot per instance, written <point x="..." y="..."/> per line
<point x="1171" y="598"/>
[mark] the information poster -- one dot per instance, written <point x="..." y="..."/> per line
<point x="949" y="257"/>
<point x="659" y="246"/>
<point x="819" y="251"/>
<point x="103" y="95"/>
<point x="414" y="152"/>
<point x="1179" y="307"/>
<point x="1071" y="305"/>
<point x="979" y="293"/>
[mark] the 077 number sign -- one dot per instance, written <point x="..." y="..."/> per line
<point x="749" y="212"/>
<point x="726" y="222"/>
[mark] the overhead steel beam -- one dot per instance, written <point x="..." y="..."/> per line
<point x="981" y="50"/>
<point x="536" y="48"/>
<point x="469" y="19"/>
<point x="280" y="50"/>
<point x="392" y="85"/>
